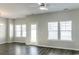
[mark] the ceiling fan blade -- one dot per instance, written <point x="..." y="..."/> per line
<point x="34" y="6"/>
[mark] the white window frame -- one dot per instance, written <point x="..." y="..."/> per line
<point x="22" y="30"/>
<point x="23" y="27"/>
<point x="33" y="34"/>
<point x="53" y="29"/>
<point x="66" y="30"/>
<point x="18" y="30"/>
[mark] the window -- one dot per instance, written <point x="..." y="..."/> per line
<point x="2" y="30"/>
<point x="11" y="30"/>
<point x="53" y="30"/>
<point x="18" y="30"/>
<point x="65" y="30"/>
<point x="23" y="30"/>
<point x="33" y="33"/>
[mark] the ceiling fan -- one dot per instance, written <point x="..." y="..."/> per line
<point x="41" y="6"/>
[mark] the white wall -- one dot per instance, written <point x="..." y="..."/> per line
<point x="4" y="34"/>
<point x="42" y="31"/>
<point x="10" y="39"/>
<point x="3" y="29"/>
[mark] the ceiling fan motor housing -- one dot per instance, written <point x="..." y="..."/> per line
<point x="42" y="5"/>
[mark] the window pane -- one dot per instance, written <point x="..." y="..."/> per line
<point x="33" y="33"/>
<point x="67" y="25"/>
<point x="53" y="35"/>
<point x="11" y="30"/>
<point x="24" y="30"/>
<point x="65" y="35"/>
<point x="53" y="26"/>
<point x="65" y="30"/>
<point x="53" y="30"/>
<point x="18" y="30"/>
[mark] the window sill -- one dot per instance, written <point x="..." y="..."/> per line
<point x="60" y="40"/>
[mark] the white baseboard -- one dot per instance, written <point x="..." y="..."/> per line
<point x="53" y="47"/>
<point x="3" y="42"/>
<point x="10" y="42"/>
<point x="18" y="42"/>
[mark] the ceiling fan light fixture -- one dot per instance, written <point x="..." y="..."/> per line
<point x="43" y="8"/>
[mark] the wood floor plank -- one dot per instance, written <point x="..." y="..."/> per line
<point x="22" y="49"/>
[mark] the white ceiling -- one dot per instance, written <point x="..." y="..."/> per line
<point x="16" y="10"/>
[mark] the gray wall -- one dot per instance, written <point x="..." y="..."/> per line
<point x="42" y="30"/>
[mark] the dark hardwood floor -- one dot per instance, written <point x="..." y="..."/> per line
<point x="22" y="49"/>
